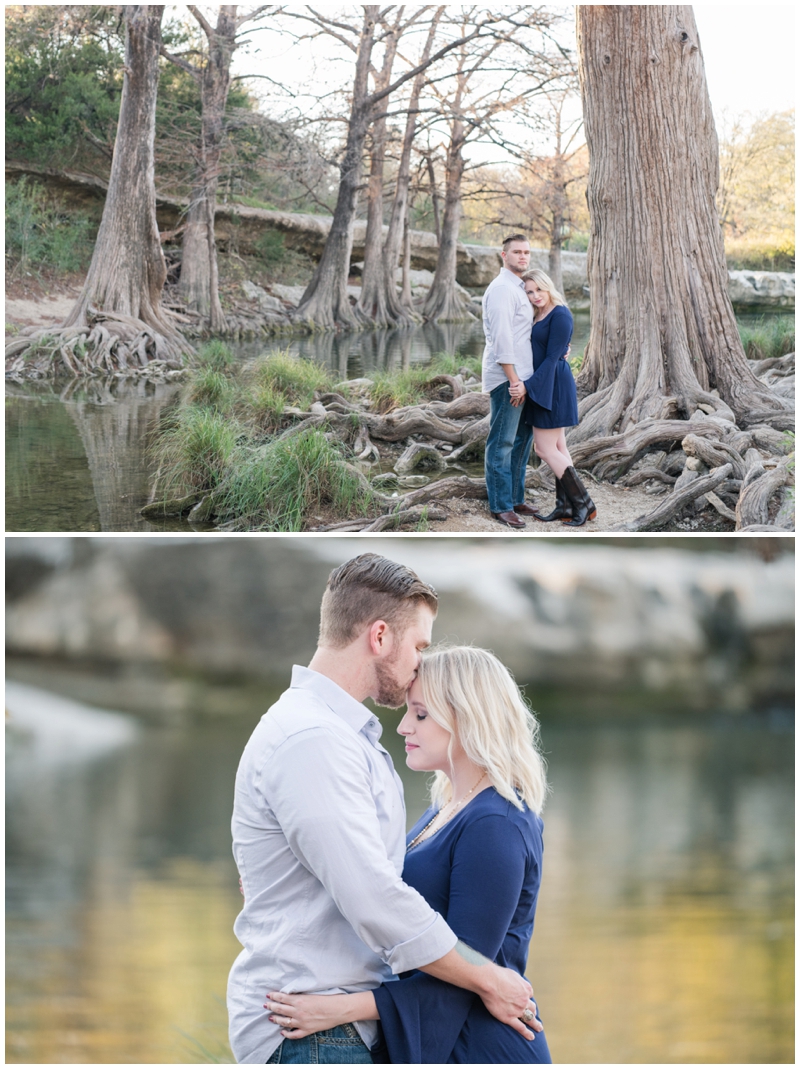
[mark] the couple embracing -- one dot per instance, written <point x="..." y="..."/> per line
<point x="362" y="944"/>
<point x="532" y="392"/>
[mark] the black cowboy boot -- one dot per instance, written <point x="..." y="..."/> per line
<point x="562" y="510"/>
<point x="583" y="508"/>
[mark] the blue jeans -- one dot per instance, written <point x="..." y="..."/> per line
<point x="508" y="447"/>
<point x="341" y="1045"/>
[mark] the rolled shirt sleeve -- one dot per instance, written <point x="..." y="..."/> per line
<point x="319" y="789"/>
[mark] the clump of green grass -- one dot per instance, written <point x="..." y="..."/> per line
<point x="293" y="377"/>
<point x="196" y="447"/>
<point x="452" y="363"/>
<point x="210" y="388"/>
<point x="215" y="354"/>
<point x="770" y="336"/>
<point x="396" y="389"/>
<point x="278" y="486"/>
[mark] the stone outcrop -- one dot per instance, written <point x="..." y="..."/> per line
<point x="712" y="630"/>
<point x="240" y="227"/>
<point x="761" y="289"/>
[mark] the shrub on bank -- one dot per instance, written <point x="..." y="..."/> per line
<point x="770" y="336"/>
<point x="41" y="234"/>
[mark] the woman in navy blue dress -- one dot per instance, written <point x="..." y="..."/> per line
<point x="552" y="400"/>
<point x="475" y="856"/>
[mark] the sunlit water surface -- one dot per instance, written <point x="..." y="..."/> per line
<point x="664" y="931"/>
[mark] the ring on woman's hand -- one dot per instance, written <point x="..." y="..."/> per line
<point x="527" y="1016"/>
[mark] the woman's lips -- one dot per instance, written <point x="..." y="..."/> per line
<point x="411" y="746"/>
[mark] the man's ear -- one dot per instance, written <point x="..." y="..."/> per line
<point x="379" y="637"/>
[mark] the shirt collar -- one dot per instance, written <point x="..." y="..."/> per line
<point x="354" y="713"/>
<point x="511" y="276"/>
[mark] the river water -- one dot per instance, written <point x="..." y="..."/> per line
<point x="664" y="931"/>
<point x="77" y="455"/>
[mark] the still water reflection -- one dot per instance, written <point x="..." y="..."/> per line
<point x="77" y="459"/>
<point x="664" y="931"/>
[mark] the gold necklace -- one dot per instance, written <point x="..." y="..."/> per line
<point x="436" y="815"/>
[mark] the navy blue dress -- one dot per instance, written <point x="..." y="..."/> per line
<point x="552" y="399"/>
<point x="482" y="872"/>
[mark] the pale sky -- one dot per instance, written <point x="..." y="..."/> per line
<point x="748" y="51"/>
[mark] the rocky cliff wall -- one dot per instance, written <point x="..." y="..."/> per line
<point x="711" y="630"/>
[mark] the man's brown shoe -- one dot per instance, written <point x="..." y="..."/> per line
<point x="510" y="519"/>
<point x="525" y="510"/>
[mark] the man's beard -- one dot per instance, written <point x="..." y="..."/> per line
<point x="391" y="692"/>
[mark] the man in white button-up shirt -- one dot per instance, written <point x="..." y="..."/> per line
<point x="319" y="830"/>
<point x="507" y="363"/>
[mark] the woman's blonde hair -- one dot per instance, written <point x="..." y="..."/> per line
<point x="544" y="282"/>
<point x="472" y="695"/>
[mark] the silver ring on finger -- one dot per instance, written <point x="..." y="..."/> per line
<point x="527" y="1016"/>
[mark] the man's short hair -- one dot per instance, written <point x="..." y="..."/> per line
<point x="369" y="588"/>
<point x="514" y="237"/>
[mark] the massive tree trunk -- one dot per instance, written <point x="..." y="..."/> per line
<point x="127" y="272"/>
<point x="199" y="281"/>
<point x="664" y="341"/>
<point x="444" y="302"/>
<point x="325" y="302"/>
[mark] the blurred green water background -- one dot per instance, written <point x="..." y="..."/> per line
<point x="662" y="673"/>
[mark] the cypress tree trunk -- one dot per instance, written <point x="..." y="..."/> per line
<point x="400" y="308"/>
<point x="664" y="340"/>
<point x="325" y="302"/>
<point x="372" y="307"/>
<point x="127" y="272"/>
<point x="199" y="281"/>
<point x="443" y="302"/>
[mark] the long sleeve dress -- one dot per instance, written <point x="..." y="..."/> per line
<point x="482" y="872"/>
<point x="552" y="399"/>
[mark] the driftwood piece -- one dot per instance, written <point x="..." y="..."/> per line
<point x="676" y="502"/>
<point x="419" y="457"/>
<point x="415" y="420"/>
<point x="756" y="494"/>
<point x="720" y="506"/>
<point x="390" y="519"/>
<point x="468" y="405"/>
<point x="456" y="385"/>
<point x="713" y="454"/>
<point x="645" y="475"/>
<point x="175" y="506"/>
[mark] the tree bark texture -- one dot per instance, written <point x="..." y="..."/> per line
<point x="401" y="308"/>
<point x="325" y="303"/>
<point x="663" y="338"/>
<point x="199" y="281"/>
<point x="372" y="307"/>
<point x="443" y="302"/>
<point x="128" y="270"/>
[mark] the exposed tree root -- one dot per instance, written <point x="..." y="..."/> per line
<point x="758" y="489"/>
<point x="670" y="510"/>
<point x="106" y="342"/>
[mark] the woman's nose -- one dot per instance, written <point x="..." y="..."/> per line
<point x="403" y="728"/>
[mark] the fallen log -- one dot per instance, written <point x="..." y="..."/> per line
<point x="676" y="502"/>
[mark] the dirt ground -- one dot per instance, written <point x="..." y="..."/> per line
<point x="35" y="303"/>
<point x="615" y="505"/>
<point x="45" y="304"/>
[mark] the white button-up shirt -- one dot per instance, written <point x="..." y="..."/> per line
<point x="319" y="841"/>
<point x="507" y="323"/>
